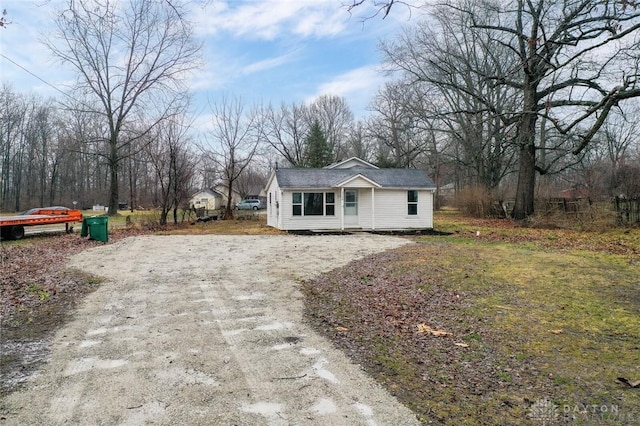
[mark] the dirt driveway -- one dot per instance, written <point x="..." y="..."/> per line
<point x="205" y="330"/>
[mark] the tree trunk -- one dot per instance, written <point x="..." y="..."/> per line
<point x="524" y="203"/>
<point x="526" y="183"/>
<point x="228" y="214"/>
<point x="113" y="169"/>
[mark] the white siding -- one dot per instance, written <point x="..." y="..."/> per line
<point x="213" y="201"/>
<point x="291" y="222"/>
<point x="391" y="210"/>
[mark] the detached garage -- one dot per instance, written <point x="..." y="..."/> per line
<point x="350" y="195"/>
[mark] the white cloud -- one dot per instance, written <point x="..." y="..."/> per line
<point x="366" y="78"/>
<point x="207" y="79"/>
<point x="358" y="86"/>
<point x="273" y="18"/>
<point x="267" y="64"/>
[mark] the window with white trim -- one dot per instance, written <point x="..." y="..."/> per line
<point x="330" y="204"/>
<point x="297" y="203"/>
<point x="313" y="203"/>
<point x="412" y="202"/>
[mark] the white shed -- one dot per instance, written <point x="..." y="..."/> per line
<point x="350" y="195"/>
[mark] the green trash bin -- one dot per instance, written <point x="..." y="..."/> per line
<point x="96" y="227"/>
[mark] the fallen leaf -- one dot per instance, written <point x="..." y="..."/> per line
<point x="632" y="384"/>
<point x="342" y="328"/>
<point x="462" y="345"/>
<point x="556" y="331"/>
<point x="424" y="328"/>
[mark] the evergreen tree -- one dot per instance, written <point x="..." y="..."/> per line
<point x="317" y="148"/>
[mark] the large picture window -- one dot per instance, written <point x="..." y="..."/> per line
<point x="412" y="203"/>
<point x="313" y="203"/>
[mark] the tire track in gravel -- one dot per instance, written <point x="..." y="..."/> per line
<point x="205" y="330"/>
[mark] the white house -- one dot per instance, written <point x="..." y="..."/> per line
<point x="352" y="194"/>
<point x="209" y="199"/>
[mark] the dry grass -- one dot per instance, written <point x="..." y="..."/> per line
<point x="226" y="227"/>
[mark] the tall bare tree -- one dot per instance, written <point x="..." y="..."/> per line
<point x="444" y="60"/>
<point x="575" y="60"/>
<point x="13" y="111"/>
<point x="359" y="142"/>
<point x="285" y="130"/>
<point x="395" y="126"/>
<point x="578" y="59"/>
<point x="173" y="164"/>
<point x="131" y="58"/>
<point x="235" y="139"/>
<point x="335" y="119"/>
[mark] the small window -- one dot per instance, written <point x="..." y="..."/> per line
<point x="297" y="203"/>
<point x="330" y="204"/>
<point x="412" y="203"/>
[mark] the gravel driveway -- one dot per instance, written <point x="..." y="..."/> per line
<point x="205" y="330"/>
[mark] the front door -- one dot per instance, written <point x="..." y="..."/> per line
<point x="351" y="208"/>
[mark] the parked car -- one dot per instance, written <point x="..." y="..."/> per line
<point x="249" y="205"/>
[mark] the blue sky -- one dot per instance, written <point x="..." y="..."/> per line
<point x="259" y="50"/>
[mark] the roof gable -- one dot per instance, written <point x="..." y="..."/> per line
<point x="351" y="162"/>
<point x="358" y="181"/>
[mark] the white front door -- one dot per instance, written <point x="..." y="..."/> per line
<point x="351" y="208"/>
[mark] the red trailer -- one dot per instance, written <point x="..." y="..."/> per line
<point x="12" y="227"/>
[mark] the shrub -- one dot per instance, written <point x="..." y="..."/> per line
<point x="478" y="201"/>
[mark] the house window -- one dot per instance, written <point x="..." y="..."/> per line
<point x="204" y="200"/>
<point x="297" y="203"/>
<point x="313" y="203"/>
<point x="412" y="203"/>
<point x="330" y="204"/>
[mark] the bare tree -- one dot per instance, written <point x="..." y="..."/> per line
<point x="131" y="58"/>
<point x="251" y="181"/>
<point x="173" y="164"/>
<point x="335" y="119"/>
<point x="444" y="60"/>
<point x="13" y="110"/>
<point x="571" y="60"/>
<point x="285" y="130"/>
<point x="235" y="138"/>
<point x="621" y="133"/>
<point x="359" y="142"/>
<point x="30" y="152"/>
<point x="575" y="60"/>
<point x="395" y="126"/>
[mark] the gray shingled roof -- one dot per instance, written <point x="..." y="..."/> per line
<point x="329" y="178"/>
